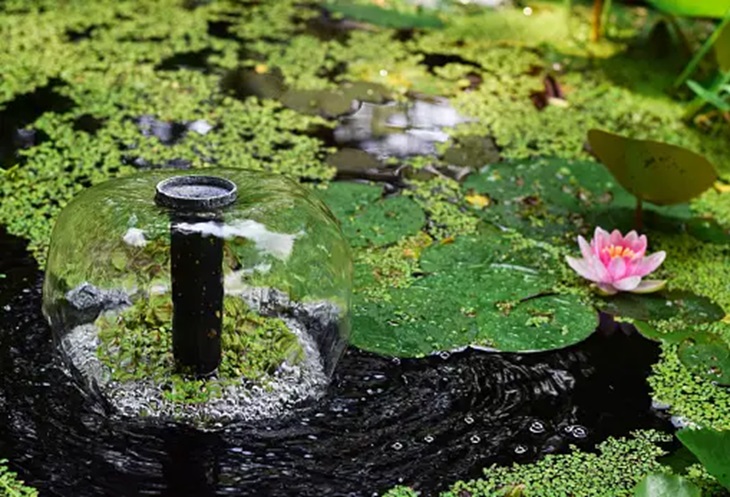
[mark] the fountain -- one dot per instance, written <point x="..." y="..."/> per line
<point x="205" y="298"/>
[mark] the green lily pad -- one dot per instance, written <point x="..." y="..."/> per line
<point x="661" y="485"/>
<point x="712" y="448"/>
<point x="555" y="199"/>
<point x="707" y="355"/>
<point x="476" y="292"/>
<point x="652" y="333"/>
<point x="686" y="305"/>
<point x="693" y="8"/>
<point x="656" y="172"/>
<point x="369" y="220"/>
<point x="389" y="18"/>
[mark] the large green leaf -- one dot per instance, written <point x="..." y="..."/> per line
<point x="685" y="305"/>
<point x="478" y="291"/>
<point x="661" y="485"/>
<point x="707" y="355"/>
<point x="373" y="14"/>
<point x="555" y="199"/>
<point x="693" y="8"/>
<point x="653" y="171"/>
<point x="369" y="220"/>
<point x="712" y="448"/>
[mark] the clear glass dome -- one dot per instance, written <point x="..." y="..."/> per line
<point x="207" y="295"/>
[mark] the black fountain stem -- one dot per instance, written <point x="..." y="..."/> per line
<point x="195" y="204"/>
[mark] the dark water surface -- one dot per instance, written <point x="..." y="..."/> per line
<point x="425" y="422"/>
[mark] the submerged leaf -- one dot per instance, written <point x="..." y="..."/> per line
<point x="657" y="172"/>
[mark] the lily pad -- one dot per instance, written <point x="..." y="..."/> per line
<point x="686" y="305"/>
<point x="712" y="448"/>
<point x="555" y="199"/>
<point x="661" y="485"/>
<point x="707" y="355"/>
<point x="476" y="292"/>
<point x="656" y="172"/>
<point x="369" y="220"/>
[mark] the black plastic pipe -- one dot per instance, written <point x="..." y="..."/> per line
<point x="195" y="205"/>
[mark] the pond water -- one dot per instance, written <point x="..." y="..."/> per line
<point x="383" y="422"/>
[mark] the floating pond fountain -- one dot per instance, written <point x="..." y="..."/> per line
<point x="202" y="297"/>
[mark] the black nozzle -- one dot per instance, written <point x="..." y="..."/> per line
<point x="196" y="260"/>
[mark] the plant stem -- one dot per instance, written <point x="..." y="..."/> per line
<point x="709" y="43"/>
<point x="605" y="12"/>
<point x="597" y="11"/>
<point x="639" y="214"/>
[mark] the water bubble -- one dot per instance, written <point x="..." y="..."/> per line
<point x="521" y="449"/>
<point x="537" y="427"/>
<point x="428" y="439"/>
<point x="475" y="439"/>
<point x="577" y="431"/>
<point x="397" y="446"/>
<point x="396" y="361"/>
<point x="444" y="355"/>
<point x="468" y="420"/>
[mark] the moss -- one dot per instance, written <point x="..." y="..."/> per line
<point x="613" y="471"/>
<point x="136" y="344"/>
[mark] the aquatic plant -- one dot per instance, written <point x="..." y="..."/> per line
<point x="617" y="263"/>
<point x="652" y="171"/>
<point x="11" y="486"/>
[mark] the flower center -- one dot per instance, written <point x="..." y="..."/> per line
<point x="619" y="251"/>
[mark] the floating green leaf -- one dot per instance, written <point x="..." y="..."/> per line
<point x="389" y="18"/>
<point x="686" y="305"/>
<point x="556" y="199"/>
<point x="707" y="355"/>
<point x="712" y="448"/>
<point x="660" y="485"/>
<point x="653" y="171"/>
<point x="368" y="220"/>
<point x="478" y="291"/>
<point x="693" y="8"/>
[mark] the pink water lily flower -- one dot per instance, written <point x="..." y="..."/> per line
<point x="617" y="263"/>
